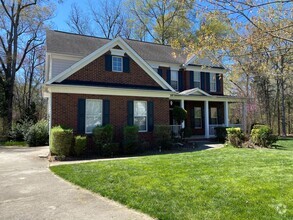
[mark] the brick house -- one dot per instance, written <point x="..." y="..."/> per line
<point x="94" y="81"/>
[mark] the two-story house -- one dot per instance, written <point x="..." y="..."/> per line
<point x="94" y="81"/>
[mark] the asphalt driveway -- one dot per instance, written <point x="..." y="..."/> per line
<point x="30" y="191"/>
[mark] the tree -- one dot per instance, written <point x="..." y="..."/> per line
<point x="21" y="28"/>
<point x="163" y="21"/>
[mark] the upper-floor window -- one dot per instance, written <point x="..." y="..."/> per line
<point x="213" y="83"/>
<point x="174" y="79"/>
<point x="140" y="115"/>
<point x="117" y="64"/>
<point x="93" y="114"/>
<point x="196" y="82"/>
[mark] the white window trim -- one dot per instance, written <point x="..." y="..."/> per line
<point x="121" y="64"/>
<point x="213" y="81"/>
<point x="146" y="122"/>
<point x="196" y="81"/>
<point x="99" y="100"/>
<point x="198" y="118"/>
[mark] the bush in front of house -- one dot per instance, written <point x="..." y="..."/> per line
<point x="38" y="134"/>
<point x="221" y="133"/>
<point x="19" y="130"/>
<point x="235" y="136"/>
<point x="79" y="145"/>
<point x="61" y="141"/>
<point x="187" y="132"/>
<point x="130" y="141"/>
<point x="163" y="136"/>
<point x="110" y="149"/>
<point x="103" y="135"/>
<point x="262" y="135"/>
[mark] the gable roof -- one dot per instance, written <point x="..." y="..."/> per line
<point x="82" y="45"/>
<point x="102" y="50"/>
<point x="195" y="91"/>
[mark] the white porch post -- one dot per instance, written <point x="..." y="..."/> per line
<point x="206" y="119"/>
<point x="226" y="113"/>
<point x="244" y="115"/>
<point x="182" y="106"/>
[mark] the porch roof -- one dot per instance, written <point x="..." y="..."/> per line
<point x="189" y="96"/>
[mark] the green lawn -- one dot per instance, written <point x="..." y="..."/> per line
<point x="13" y="143"/>
<point x="226" y="183"/>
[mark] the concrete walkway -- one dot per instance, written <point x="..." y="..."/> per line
<point x="30" y="191"/>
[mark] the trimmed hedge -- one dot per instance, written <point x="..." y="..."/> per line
<point x="262" y="135"/>
<point x="163" y="136"/>
<point x="130" y="142"/>
<point x="38" y="134"/>
<point x="235" y="136"/>
<point x="79" y="145"/>
<point x="61" y="141"/>
<point x="103" y="135"/>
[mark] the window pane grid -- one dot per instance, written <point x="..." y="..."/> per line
<point x="196" y="82"/>
<point x="117" y="64"/>
<point x="197" y="117"/>
<point x="213" y="84"/>
<point x="93" y="115"/>
<point x="214" y="116"/>
<point x="140" y="115"/>
<point x="174" y="79"/>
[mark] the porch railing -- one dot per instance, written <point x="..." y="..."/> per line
<point x="175" y="129"/>
<point x="212" y="127"/>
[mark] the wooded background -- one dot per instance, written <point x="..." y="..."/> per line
<point x="252" y="39"/>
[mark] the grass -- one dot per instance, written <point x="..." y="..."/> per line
<point x="226" y="183"/>
<point x="13" y="143"/>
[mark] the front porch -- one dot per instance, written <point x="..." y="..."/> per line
<point x="206" y="112"/>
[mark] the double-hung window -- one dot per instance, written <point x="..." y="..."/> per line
<point x="214" y="116"/>
<point x="197" y="117"/>
<point x="117" y="64"/>
<point x="174" y="79"/>
<point x="196" y="81"/>
<point x="93" y="114"/>
<point x="213" y="83"/>
<point x="140" y="115"/>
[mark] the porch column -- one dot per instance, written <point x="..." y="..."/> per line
<point x="182" y="106"/>
<point x="226" y="113"/>
<point x="244" y="115"/>
<point x="206" y="119"/>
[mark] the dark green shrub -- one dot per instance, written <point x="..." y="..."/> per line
<point x="187" y="132"/>
<point x="110" y="149"/>
<point x="38" y="134"/>
<point x="19" y="130"/>
<point x="221" y="133"/>
<point x="179" y="114"/>
<point x="235" y="136"/>
<point x="130" y="142"/>
<point x="163" y="136"/>
<point x="61" y="141"/>
<point x="103" y="135"/>
<point x="262" y="135"/>
<point x="79" y="145"/>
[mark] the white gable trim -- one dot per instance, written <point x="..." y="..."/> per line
<point x="193" y="91"/>
<point x="102" y="50"/>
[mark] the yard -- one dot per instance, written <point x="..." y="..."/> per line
<point x="226" y="183"/>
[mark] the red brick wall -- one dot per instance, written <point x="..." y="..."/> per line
<point x="95" y="72"/>
<point x="64" y="111"/>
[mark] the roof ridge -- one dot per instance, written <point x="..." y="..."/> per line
<point x="103" y="38"/>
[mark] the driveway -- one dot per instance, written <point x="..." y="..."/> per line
<point x="30" y="191"/>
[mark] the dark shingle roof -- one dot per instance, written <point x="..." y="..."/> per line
<point x="81" y="45"/>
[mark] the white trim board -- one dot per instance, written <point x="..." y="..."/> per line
<point x="102" y="50"/>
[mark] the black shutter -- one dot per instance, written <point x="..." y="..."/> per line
<point x="169" y="77"/>
<point x="208" y="82"/>
<point x="106" y="112"/>
<point x="202" y="81"/>
<point x="180" y="80"/>
<point x="126" y="66"/>
<point x="130" y="113"/>
<point x="191" y="86"/>
<point x="108" y="62"/>
<point x="160" y="72"/>
<point x="218" y="82"/>
<point x="81" y="116"/>
<point x="150" y="116"/>
<point x="192" y="124"/>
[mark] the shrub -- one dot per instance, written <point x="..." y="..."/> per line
<point x="103" y="135"/>
<point x="38" y="134"/>
<point x="163" y="136"/>
<point x="110" y="149"/>
<point x="187" y="132"/>
<point x="179" y="114"/>
<point x="221" y="133"/>
<point x="235" y="136"/>
<point x="19" y="130"/>
<point x="130" y="134"/>
<point x="262" y="135"/>
<point x="61" y="141"/>
<point x="79" y="145"/>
